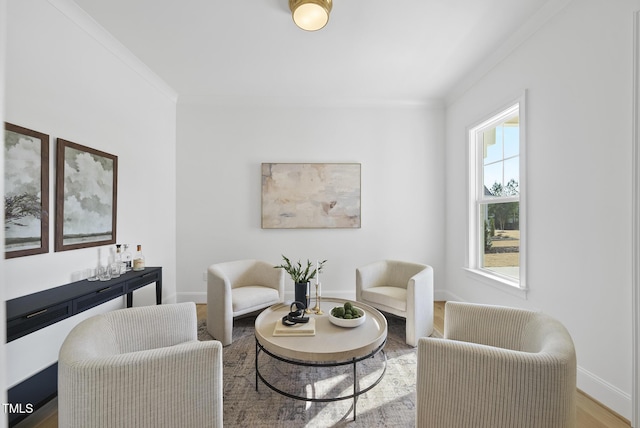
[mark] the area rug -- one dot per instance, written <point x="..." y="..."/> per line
<point x="391" y="403"/>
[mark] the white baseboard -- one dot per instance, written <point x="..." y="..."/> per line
<point x="170" y="299"/>
<point x="445" y="296"/>
<point x="201" y="296"/>
<point x="342" y="294"/>
<point x="196" y="297"/>
<point x="602" y="391"/>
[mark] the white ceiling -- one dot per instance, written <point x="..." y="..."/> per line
<point x="402" y="50"/>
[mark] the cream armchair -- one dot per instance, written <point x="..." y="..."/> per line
<point x="496" y="367"/>
<point x="399" y="288"/>
<point x="140" y="367"/>
<point x="238" y="288"/>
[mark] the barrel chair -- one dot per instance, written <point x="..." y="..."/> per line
<point x="140" y="367"/>
<point x="497" y="367"/>
<point x="400" y="288"/>
<point x="238" y="288"/>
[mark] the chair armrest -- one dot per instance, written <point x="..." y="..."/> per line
<point x="218" y="279"/>
<point x="218" y="290"/>
<point x="461" y="383"/>
<point x="419" y="312"/>
<point x="160" y="387"/>
<point x="420" y="287"/>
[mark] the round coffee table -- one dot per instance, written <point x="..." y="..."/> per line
<point x="331" y="346"/>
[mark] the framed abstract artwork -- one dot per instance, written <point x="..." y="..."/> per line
<point x="26" y="196"/>
<point x="86" y="196"/>
<point x="310" y="195"/>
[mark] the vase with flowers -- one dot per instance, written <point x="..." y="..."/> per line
<point x="301" y="276"/>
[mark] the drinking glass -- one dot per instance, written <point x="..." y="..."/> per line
<point x="104" y="273"/>
<point x="114" y="269"/>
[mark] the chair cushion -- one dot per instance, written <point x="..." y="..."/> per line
<point x="244" y="299"/>
<point x="393" y="297"/>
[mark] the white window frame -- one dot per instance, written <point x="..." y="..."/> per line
<point x="473" y="266"/>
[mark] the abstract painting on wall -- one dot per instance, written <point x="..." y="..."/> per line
<point x="26" y="191"/>
<point x="310" y="195"/>
<point x="86" y="195"/>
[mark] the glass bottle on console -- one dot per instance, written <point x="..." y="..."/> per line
<point x="126" y="258"/>
<point x="122" y="266"/>
<point x="138" y="259"/>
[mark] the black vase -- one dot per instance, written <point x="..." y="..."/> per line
<point x="301" y="292"/>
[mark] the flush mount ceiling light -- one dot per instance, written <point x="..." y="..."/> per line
<point x="310" y="15"/>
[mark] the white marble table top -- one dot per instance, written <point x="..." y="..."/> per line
<point x="330" y="343"/>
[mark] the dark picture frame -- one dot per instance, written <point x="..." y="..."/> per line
<point x="86" y="196"/>
<point x="26" y="197"/>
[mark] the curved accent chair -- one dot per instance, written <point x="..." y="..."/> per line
<point x="400" y="288"/>
<point x="238" y="288"/>
<point x="496" y="367"/>
<point x="140" y="367"/>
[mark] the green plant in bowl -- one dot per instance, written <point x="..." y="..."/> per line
<point x="347" y="315"/>
<point x="347" y="311"/>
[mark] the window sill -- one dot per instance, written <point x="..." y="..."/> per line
<point x="510" y="287"/>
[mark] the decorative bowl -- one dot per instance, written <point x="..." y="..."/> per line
<point x="354" y="322"/>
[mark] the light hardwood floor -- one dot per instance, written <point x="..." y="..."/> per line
<point x="591" y="414"/>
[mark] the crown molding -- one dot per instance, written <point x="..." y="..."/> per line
<point x="243" y="101"/>
<point x="83" y="20"/>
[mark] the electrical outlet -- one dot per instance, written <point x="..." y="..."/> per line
<point x="204" y="276"/>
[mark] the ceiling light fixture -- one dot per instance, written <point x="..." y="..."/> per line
<point x="310" y="15"/>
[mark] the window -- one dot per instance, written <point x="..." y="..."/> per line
<point x="496" y="199"/>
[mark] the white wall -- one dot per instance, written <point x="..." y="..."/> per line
<point x="68" y="79"/>
<point x="219" y="187"/>
<point x="577" y="71"/>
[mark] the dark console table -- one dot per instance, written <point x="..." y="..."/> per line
<point x="33" y="312"/>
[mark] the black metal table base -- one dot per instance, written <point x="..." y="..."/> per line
<point x="354" y="361"/>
